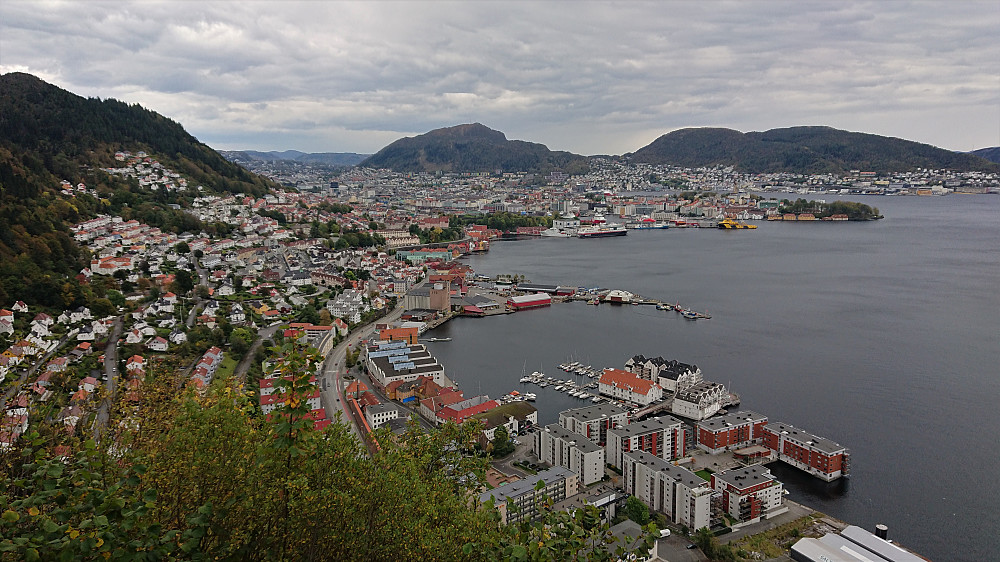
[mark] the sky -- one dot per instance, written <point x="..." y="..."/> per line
<point x="587" y="77"/>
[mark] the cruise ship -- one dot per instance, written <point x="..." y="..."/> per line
<point x="600" y="231"/>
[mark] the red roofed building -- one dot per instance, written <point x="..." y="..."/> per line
<point x="429" y="407"/>
<point x="269" y="402"/>
<point x="624" y="385"/>
<point x="450" y="413"/>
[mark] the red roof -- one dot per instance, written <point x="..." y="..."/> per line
<point x="626" y="381"/>
<point x="461" y="415"/>
<point x="356" y="386"/>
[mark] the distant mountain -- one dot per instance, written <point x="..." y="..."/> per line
<point x="47" y="135"/>
<point x="472" y="148"/>
<point x="991" y="154"/>
<point x="801" y="150"/>
<point x="327" y="158"/>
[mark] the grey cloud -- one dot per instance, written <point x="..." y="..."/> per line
<point x="588" y="77"/>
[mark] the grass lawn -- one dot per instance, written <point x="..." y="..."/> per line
<point x="226" y="368"/>
<point x="705" y="473"/>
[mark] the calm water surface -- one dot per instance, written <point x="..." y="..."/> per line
<point x="882" y="336"/>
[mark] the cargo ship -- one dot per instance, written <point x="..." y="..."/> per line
<point x="601" y="231"/>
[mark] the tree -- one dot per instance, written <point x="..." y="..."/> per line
<point x="325" y="318"/>
<point x="204" y="476"/>
<point x="182" y="248"/>
<point x="116" y="298"/>
<point x="502" y="445"/>
<point x="103" y="307"/>
<point x="636" y="510"/>
<point x="183" y="282"/>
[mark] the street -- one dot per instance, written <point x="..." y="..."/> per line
<point x="111" y="376"/>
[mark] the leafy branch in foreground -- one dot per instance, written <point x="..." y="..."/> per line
<point x="186" y="476"/>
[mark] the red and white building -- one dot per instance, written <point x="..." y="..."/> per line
<point x="593" y="422"/>
<point x="750" y="494"/>
<point x="731" y="431"/>
<point x="810" y="453"/>
<point x="661" y="437"/>
<point x="529" y="301"/>
<point x="630" y="387"/>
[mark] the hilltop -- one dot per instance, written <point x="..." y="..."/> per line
<point x="48" y="135"/>
<point x="992" y="154"/>
<point x="801" y="150"/>
<point x="472" y="148"/>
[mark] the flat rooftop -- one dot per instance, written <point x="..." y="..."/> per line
<point x="525" y="485"/>
<point x="660" y="423"/>
<point x="745" y="477"/>
<point x="730" y="420"/>
<point x="593" y="412"/>
<point x="580" y="441"/>
<point x="821" y="444"/>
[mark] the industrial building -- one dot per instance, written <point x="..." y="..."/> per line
<point x="388" y="362"/>
<point x="853" y="544"/>
<point x="529" y="301"/>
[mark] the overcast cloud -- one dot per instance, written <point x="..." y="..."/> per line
<point x="591" y="78"/>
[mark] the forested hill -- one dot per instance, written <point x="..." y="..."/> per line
<point x="801" y="150"/>
<point x="472" y="148"/>
<point x="992" y="154"/>
<point x="48" y="135"/>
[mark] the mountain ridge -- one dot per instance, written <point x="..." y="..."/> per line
<point x="806" y="149"/>
<point x="471" y="147"/>
<point x="326" y="158"/>
<point x="992" y="153"/>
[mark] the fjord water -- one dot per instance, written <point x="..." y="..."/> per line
<point x="882" y="336"/>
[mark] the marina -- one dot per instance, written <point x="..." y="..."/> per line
<point x="782" y="345"/>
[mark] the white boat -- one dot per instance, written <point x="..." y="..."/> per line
<point x="530" y="397"/>
<point x="556" y="233"/>
<point x="525" y="380"/>
<point x="595" y="399"/>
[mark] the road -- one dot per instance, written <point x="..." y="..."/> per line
<point x="240" y="373"/>
<point x="196" y="303"/>
<point x="332" y="370"/>
<point x="111" y="374"/>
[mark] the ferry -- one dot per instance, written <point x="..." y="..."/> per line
<point x="556" y="233"/>
<point x="730" y="224"/>
<point x="601" y="231"/>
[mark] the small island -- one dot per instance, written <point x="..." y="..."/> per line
<point x="802" y="209"/>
